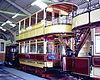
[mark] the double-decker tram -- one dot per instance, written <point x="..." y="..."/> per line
<point x="53" y="40"/>
<point x="43" y="38"/>
<point x="2" y="51"/>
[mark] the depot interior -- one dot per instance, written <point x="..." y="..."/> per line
<point x="50" y="39"/>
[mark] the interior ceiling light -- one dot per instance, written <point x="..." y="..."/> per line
<point x="40" y="4"/>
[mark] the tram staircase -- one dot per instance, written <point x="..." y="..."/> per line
<point x="80" y="38"/>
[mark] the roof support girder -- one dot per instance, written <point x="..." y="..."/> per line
<point x="18" y="7"/>
<point x="10" y="19"/>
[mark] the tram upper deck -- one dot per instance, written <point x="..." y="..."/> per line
<point x="56" y="18"/>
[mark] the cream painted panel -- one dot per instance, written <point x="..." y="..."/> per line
<point x="95" y="15"/>
<point x="96" y="72"/>
<point x="81" y="19"/>
<point x="58" y="28"/>
<point x="39" y="31"/>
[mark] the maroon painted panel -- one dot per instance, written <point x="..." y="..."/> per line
<point x="69" y="63"/>
<point x="81" y="66"/>
<point x="96" y="78"/>
<point x="21" y="56"/>
<point x="96" y="61"/>
<point x="38" y="57"/>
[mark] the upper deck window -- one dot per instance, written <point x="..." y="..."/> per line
<point x="33" y="19"/>
<point x="40" y="16"/>
<point x="26" y="22"/>
<point x="49" y="16"/>
<point x="56" y="18"/>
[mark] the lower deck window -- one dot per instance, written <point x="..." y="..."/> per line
<point x="22" y="49"/>
<point x="32" y="48"/>
<point x="40" y="48"/>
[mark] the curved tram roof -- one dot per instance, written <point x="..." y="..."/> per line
<point x="65" y="6"/>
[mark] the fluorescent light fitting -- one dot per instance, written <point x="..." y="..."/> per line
<point x="13" y="25"/>
<point x="3" y="24"/>
<point x="15" y="15"/>
<point x="88" y="0"/>
<point x="40" y="4"/>
<point x="2" y="29"/>
<point x="9" y="22"/>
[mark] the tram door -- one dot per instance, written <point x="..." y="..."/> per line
<point x="11" y="56"/>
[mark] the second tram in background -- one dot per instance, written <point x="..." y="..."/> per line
<point x="2" y="51"/>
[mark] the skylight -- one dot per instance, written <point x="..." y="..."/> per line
<point x="40" y="4"/>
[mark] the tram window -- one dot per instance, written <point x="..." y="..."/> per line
<point x="63" y="19"/>
<point x="56" y="18"/>
<point x="50" y="48"/>
<point x="26" y="48"/>
<point x="26" y="22"/>
<point x="40" y="47"/>
<point x="32" y="48"/>
<point x="2" y="46"/>
<point x="22" y="48"/>
<point x="22" y="25"/>
<point x="56" y="15"/>
<point x="49" y="16"/>
<point x="40" y="16"/>
<point x="33" y="19"/>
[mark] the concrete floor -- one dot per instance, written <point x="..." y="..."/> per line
<point x="13" y="74"/>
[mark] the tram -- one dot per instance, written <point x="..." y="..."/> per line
<point x="2" y="50"/>
<point x="53" y="38"/>
<point x="11" y="56"/>
<point x="43" y="36"/>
